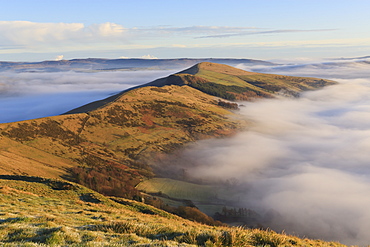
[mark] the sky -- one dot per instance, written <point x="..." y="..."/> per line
<point x="36" y="30"/>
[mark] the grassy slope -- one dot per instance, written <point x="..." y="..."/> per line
<point x="36" y="213"/>
<point x="243" y="85"/>
<point x="142" y="124"/>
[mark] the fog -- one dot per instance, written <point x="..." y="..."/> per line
<point x="307" y="160"/>
<point x="33" y="95"/>
<point x="328" y="69"/>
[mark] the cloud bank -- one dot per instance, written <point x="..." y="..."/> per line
<point x="306" y="160"/>
<point x="331" y="70"/>
<point x="33" y="95"/>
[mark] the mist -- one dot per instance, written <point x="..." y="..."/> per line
<point x="329" y="69"/>
<point x="28" y="95"/>
<point x="303" y="162"/>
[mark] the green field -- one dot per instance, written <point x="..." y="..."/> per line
<point x="208" y="198"/>
<point x="185" y="190"/>
<point x="179" y="189"/>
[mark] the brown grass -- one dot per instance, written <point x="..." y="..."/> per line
<point x="224" y="69"/>
<point x="61" y="218"/>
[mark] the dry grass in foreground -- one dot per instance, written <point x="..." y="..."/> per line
<point x="44" y="212"/>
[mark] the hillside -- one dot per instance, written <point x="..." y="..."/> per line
<point x="235" y="84"/>
<point x="56" y="213"/>
<point x="229" y="83"/>
<point x="125" y="136"/>
<point x="112" y="147"/>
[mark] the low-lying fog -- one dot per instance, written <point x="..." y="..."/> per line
<point x="307" y="159"/>
<point x="33" y="95"/>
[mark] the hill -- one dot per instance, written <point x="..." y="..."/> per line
<point x="235" y="84"/>
<point x="51" y="212"/>
<point x="119" y="140"/>
<point x="229" y="83"/>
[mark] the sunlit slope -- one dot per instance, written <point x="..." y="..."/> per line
<point x="235" y="84"/>
<point x="58" y="213"/>
<point x="227" y="82"/>
<point x="138" y="127"/>
<point x="117" y="140"/>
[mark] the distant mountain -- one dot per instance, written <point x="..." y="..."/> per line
<point x="353" y="58"/>
<point x="118" y="64"/>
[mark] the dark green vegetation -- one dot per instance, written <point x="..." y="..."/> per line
<point x="112" y="149"/>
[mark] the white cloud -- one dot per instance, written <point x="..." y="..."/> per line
<point x="107" y="29"/>
<point x="38" y="34"/>
<point x="32" y="37"/>
<point x="59" y="57"/>
<point x="149" y="57"/>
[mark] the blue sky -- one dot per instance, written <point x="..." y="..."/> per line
<point x="259" y="29"/>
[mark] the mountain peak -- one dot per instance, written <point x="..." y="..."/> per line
<point x="226" y="82"/>
<point x="216" y="67"/>
<point x="231" y="83"/>
<point x="222" y="68"/>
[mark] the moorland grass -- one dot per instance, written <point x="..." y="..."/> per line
<point x="34" y="214"/>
